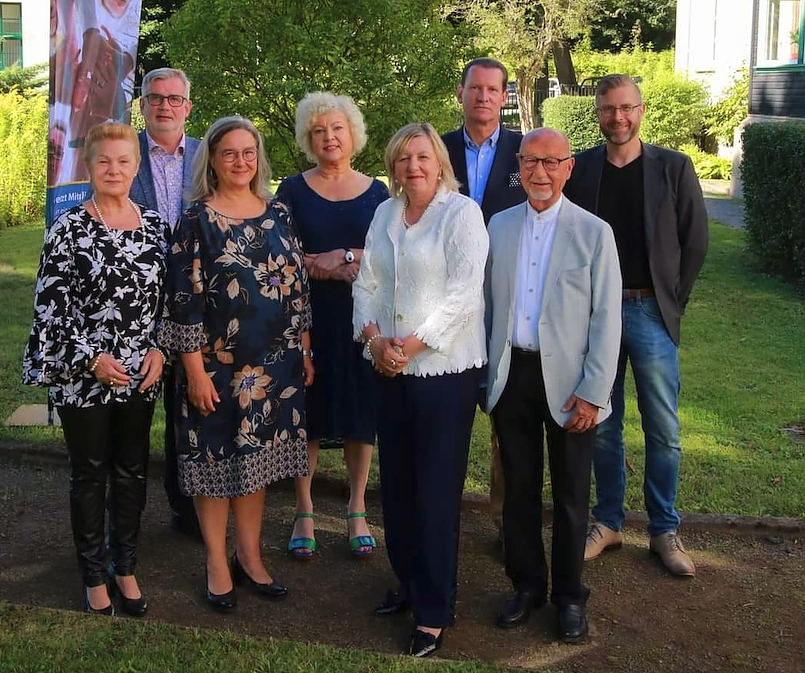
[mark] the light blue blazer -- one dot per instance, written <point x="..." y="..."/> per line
<point x="580" y="323"/>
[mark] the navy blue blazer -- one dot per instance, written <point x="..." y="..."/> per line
<point x="142" y="189"/>
<point x="503" y="189"/>
<point x="674" y="217"/>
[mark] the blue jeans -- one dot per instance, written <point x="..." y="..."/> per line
<point x="655" y="364"/>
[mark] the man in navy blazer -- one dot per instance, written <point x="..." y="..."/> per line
<point x="651" y="198"/>
<point x="164" y="175"/>
<point x="484" y="159"/>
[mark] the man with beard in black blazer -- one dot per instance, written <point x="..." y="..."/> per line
<point x="484" y="159"/>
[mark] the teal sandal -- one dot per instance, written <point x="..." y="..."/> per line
<point x="302" y="548"/>
<point x="355" y="543"/>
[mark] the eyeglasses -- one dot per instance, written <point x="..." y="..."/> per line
<point x="610" y="110"/>
<point x="174" y="100"/>
<point x="548" y="163"/>
<point x="231" y="156"/>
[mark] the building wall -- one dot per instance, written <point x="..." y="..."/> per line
<point x="778" y="93"/>
<point x="713" y="40"/>
<point x="35" y="31"/>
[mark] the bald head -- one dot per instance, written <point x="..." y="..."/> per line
<point x="545" y="166"/>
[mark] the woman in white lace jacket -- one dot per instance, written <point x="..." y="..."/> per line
<point x="419" y="309"/>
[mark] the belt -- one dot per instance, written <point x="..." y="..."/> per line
<point x="637" y="294"/>
<point x="524" y="352"/>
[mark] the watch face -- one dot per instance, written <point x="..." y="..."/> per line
<point x="349" y="256"/>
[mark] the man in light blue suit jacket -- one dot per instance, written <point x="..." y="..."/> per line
<point x="164" y="175"/>
<point x="553" y="295"/>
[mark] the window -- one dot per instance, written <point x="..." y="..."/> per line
<point x="780" y="33"/>
<point x="10" y="34"/>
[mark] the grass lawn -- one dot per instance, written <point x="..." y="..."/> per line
<point x="39" y="640"/>
<point x="742" y="361"/>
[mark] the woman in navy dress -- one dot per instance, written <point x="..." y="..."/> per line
<point x="237" y="311"/>
<point x="332" y="206"/>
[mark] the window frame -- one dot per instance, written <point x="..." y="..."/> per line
<point x="761" y="38"/>
<point x="9" y="35"/>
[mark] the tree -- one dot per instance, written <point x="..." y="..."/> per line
<point x="399" y="59"/>
<point x="622" y="23"/>
<point x="28" y="81"/>
<point x="522" y="34"/>
<point x="151" y="49"/>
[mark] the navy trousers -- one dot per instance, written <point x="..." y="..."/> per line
<point x="425" y="425"/>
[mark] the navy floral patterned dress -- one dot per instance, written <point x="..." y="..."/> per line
<point x="238" y="291"/>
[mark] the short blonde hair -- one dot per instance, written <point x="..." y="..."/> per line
<point x="400" y="141"/>
<point x="109" y="131"/>
<point x="205" y="181"/>
<point x="318" y="103"/>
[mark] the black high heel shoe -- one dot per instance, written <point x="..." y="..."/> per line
<point x="424" y="644"/>
<point x="220" y="602"/>
<point x="136" y="607"/>
<point x="108" y="611"/>
<point x="274" y="591"/>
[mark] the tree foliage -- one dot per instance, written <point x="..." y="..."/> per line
<point x="675" y="110"/>
<point x="730" y="110"/>
<point x="622" y="23"/>
<point x="31" y="80"/>
<point x="152" y="52"/>
<point x="399" y="59"/>
<point x="520" y="33"/>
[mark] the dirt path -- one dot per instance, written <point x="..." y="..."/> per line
<point x="745" y="611"/>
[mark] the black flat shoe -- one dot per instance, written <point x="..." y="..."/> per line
<point x="424" y="644"/>
<point x="108" y="611"/>
<point x="136" y="607"/>
<point x="220" y="602"/>
<point x="573" y="627"/>
<point x="518" y="608"/>
<point x="274" y="591"/>
<point x="393" y="604"/>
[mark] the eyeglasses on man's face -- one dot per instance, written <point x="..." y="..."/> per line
<point x="174" y="100"/>
<point x="530" y="162"/>
<point x="610" y="110"/>
<point x="231" y="156"/>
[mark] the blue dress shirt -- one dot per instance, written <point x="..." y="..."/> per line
<point x="479" y="163"/>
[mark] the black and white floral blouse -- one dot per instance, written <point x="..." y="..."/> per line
<point x="98" y="290"/>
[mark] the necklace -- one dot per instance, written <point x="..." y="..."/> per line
<point x="405" y="221"/>
<point x="128" y="255"/>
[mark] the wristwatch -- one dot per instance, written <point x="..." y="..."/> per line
<point x="307" y="353"/>
<point x="349" y="256"/>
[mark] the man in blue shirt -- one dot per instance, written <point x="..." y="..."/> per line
<point x="484" y="159"/>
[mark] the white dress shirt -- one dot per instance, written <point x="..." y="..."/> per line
<point x="536" y="243"/>
<point x="427" y="281"/>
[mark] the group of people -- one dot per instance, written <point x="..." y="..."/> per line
<point x="495" y="269"/>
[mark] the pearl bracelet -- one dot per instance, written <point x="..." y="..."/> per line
<point x="162" y="355"/>
<point x="93" y="364"/>
<point x="368" y="343"/>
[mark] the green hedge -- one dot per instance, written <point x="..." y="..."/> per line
<point x="707" y="166"/>
<point x="773" y="174"/>
<point x="23" y="157"/>
<point x="575" y="117"/>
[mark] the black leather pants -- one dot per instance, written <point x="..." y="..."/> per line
<point x="107" y="442"/>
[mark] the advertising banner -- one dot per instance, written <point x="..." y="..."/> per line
<point x="93" y="50"/>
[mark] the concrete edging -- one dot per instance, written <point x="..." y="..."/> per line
<point x="22" y="453"/>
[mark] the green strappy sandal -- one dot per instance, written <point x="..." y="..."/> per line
<point x="355" y="543"/>
<point x="302" y="548"/>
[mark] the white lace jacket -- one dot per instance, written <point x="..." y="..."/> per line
<point x="427" y="280"/>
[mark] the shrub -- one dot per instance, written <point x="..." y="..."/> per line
<point x="637" y="62"/>
<point x="773" y="174"/>
<point x="722" y="118"/>
<point x="23" y="157"/>
<point x="674" y="110"/>
<point x="575" y="117"/>
<point x="707" y="166"/>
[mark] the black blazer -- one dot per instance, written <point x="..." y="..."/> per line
<point x="503" y="189"/>
<point x="674" y="216"/>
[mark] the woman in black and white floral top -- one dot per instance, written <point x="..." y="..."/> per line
<point x="93" y="343"/>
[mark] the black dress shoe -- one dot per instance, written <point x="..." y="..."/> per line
<point x="424" y="644"/>
<point x="136" y="607"/>
<point x="518" y="608"/>
<point x="393" y="604"/>
<point x="573" y="626"/>
<point x="186" y="525"/>
<point x="108" y="611"/>
<point x="220" y="602"/>
<point x="274" y="591"/>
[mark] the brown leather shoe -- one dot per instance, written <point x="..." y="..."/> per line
<point x="601" y="539"/>
<point x="669" y="548"/>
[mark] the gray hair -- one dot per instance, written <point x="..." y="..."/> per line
<point x="400" y="141"/>
<point x="165" y="73"/>
<point x="205" y="181"/>
<point x="318" y="103"/>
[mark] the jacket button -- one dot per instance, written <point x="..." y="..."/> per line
<point x="508" y="343"/>
<point x="399" y="317"/>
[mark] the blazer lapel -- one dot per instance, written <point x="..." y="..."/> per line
<point x="514" y="235"/>
<point x="145" y="176"/>
<point x="456" y="150"/>
<point x="564" y="235"/>
<point x="653" y="187"/>
<point x="499" y="164"/>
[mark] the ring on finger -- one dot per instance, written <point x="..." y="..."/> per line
<point x="392" y="363"/>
